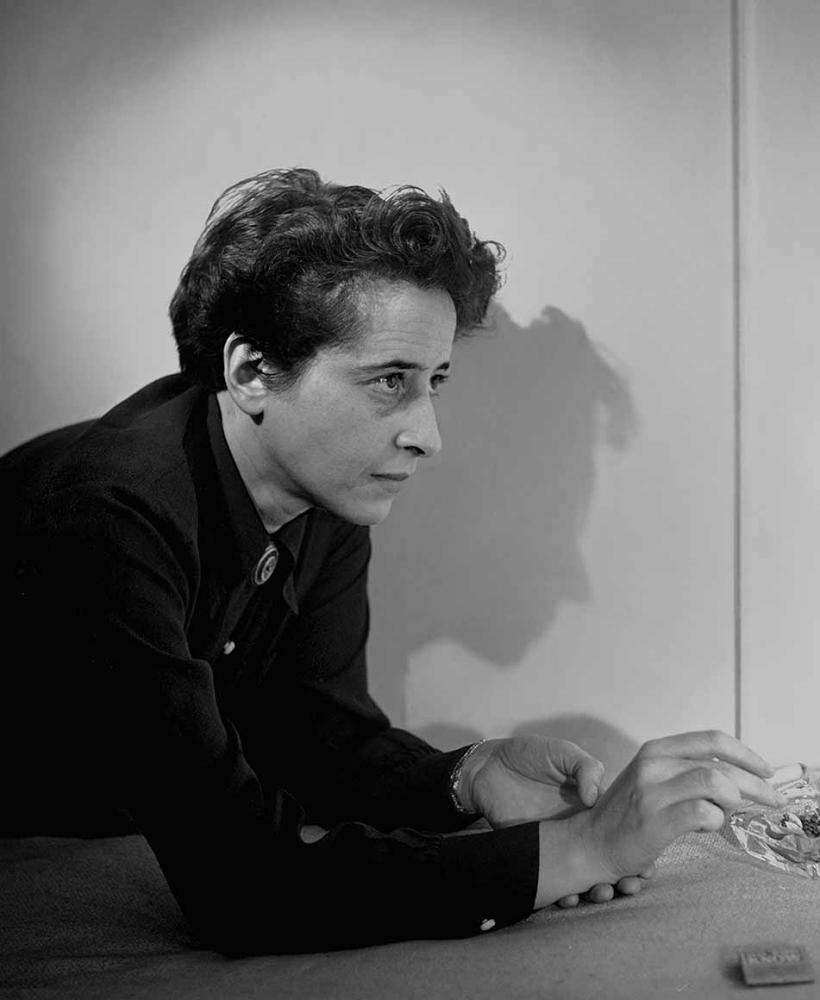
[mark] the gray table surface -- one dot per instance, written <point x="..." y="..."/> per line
<point x="94" y="919"/>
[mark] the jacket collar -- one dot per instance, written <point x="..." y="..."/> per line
<point x="240" y="527"/>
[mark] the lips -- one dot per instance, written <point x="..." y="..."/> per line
<point x="390" y="482"/>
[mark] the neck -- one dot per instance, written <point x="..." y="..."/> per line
<point x="272" y="501"/>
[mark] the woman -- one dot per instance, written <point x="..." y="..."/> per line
<point x="193" y="567"/>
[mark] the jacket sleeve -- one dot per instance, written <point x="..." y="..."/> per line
<point x="344" y="759"/>
<point x="230" y="849"/>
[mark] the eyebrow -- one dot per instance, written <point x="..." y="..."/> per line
<point x="402" y="366"/>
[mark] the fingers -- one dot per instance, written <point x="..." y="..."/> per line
<point x="588" y="774"/>
<point x="630" y="886"/>
<point x="710" y="744"/>
<point x="706" y="785"/>
<point x="600" y="893"/>
<point x="700" y="774"/>
<point x="582" y="768"/>
<point x="603" y="892"/>
<point x="751" y="787"/>
<point x="724" y="786"/>
<point x="554" y="760"/>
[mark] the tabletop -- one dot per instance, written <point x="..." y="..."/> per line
<point x="94" y="919"/>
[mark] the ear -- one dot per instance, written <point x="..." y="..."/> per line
<point x="242" y="378"/>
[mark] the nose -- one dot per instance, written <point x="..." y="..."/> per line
<point x="420" y="432"/>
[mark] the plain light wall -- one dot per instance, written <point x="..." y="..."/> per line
<point x="548" y="578"/>
<point x="781" y="381"/>
<point x="568" y="561"/>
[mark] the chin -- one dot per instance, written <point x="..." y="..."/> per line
<point x="366" y="514"/>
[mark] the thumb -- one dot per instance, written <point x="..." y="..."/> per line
<point x="588" y="774"/>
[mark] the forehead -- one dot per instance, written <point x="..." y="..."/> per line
<point x="399" y="321"/>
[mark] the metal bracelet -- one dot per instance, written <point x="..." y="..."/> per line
<point x="455" y="777"/>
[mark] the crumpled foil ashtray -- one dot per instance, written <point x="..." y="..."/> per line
<point x="787" y="838"/>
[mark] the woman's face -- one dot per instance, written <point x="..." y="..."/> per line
<point x="352" y="429"/>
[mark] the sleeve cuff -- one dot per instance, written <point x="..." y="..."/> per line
<point x="495" y="874"/>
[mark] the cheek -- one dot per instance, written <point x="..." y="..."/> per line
<point x="345" y="446"/>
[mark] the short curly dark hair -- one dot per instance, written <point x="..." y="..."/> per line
<point x="284" y="254"/>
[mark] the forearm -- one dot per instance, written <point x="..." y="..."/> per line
<point x="233" y="855"/>
<point x="250" y="885"/>
<point x="343" y="764"/>
<point x="395" y="779"/>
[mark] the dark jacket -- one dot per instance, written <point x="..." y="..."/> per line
<point x="184" y="671"/>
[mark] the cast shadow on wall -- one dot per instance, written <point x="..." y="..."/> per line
<point x="485" y="545"/>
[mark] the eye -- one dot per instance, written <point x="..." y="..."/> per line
<point x="437" y="381"/>
<point x="392" y="382"/>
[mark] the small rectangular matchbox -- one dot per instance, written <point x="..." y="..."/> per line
<point x="770" y="964"/>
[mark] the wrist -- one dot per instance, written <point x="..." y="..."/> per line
<point x="567" y="865"/>
<point x="461" y="778"/>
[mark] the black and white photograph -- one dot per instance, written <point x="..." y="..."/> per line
<point x="409" y="441"/>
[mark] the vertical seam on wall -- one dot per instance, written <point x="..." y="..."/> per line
<point x="738" y="99"/>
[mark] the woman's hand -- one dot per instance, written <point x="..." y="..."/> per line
<point x="522" y="779"/>
<point x="512" y="781"/>
<point x="690" y="782"/>
<point x="672" y="786"/>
